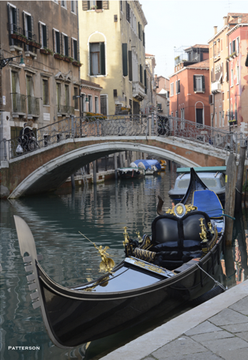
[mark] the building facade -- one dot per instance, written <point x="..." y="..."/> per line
<point x="112" y="50"/>
<point x="222" y="48"/>
<point x="238" y="75"/>
<point x="189" y="90"/>
<point x="45" y="35"/>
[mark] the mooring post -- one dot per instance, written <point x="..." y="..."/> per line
<point x="230" y="183"/>
<point x="240" y="176"/>
<point x="94" y="172"/>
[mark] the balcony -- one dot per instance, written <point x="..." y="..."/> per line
<point x="138" y="90"/>
<point x="65" y="109"/>
<point x="216" y="87"/>
<point x="18" y="103"/>
<point x="33" y="106"/>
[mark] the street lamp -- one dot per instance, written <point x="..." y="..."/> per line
<point x="5" y="61"/>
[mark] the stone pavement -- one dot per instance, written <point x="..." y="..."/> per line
<point x="216" y="329"/>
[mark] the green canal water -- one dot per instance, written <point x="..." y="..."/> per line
<point x="56" y="220"/>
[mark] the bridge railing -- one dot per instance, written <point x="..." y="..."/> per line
<point x="200" y="133"/>
<point x="123" y="125"/>
<point x="78" y="127"/>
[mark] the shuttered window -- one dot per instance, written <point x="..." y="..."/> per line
<point x="130" y="65"/>
<point x="199" y="83"/>
<point x="97" y="59"/>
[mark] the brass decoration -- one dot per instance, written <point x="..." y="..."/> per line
<point x="138" y="236"/>
<point x="203" y="233"/>
<point x="144" y="254"/>
<point x="179" y="208"/>
<point x="107" y="264"/>
<point x="210" y="228"/>
<point x="126" y="237"/>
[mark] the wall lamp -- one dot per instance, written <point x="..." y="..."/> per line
<point x="4" y="62"/>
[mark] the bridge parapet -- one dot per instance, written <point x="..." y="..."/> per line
<point x="124" y="125"/>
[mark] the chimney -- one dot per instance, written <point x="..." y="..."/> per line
<point x="215" y="30"/>
<point x="225" y="20"/>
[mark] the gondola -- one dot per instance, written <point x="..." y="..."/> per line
<point x="178" y="263"/>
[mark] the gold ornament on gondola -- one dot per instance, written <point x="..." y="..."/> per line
<point x="107" y="264"/>
<point x="203" y="233"/>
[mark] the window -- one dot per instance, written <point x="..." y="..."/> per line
<point x="178" y="86"/>
<point x="237" y="45"/>
<point x="96" y="104"/>
<point x="43" y="35"/>
<point x="74" y="49"/>
<point x="141" y="74"/>
<point x="103" y="99"/>
<point x="56" y="39"/>
<point x="13" y="15"/>
<point x="97" y="58"/>
<point x="127" y="11"/>
<point x="28" y="25"/>
<point x="124" y="59"/>
<point x="45" y="92"/>
<point x="171" y="89"/>
<point x="90" y="103"/>
<point x="237" y="71"/>
<point x="73" y="6"/>
<point x="58" y="95"/>
<point x="199" y="83"/>
<point x="65" y="45"/>
<point x="95" y="5"/>
<point x="67" y="96"/>
<point x="63" y="3"/>
<point x="29" y="87"/>
<point x="199" y="116"/>
<point x="130" y="65"/>
<point x="75" y="98"/>
<point x="15" y="90"/>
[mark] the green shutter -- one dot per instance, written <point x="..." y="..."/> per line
<point x="102" y="58"/>
<point x="203" y="83"/>
<point x="130" y="65"/>
<point x="194" y="84"/>
<point x="124" y="59"/>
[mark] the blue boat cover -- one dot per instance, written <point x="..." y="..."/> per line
<point x="208" y="201"/>
<point x="149" y="163"/>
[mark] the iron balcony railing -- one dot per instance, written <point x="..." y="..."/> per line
<point x="18" y="103"/>
<point x="65" y="109"/>
<point x="33" y="105"/>
<point x="128" y="125"/>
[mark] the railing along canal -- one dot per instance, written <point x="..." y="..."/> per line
<point x="124" y="125"/>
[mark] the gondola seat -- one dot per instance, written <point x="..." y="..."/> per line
<point x="178" y="239"/>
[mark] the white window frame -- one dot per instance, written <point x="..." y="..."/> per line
<point x="237" y="72"/>
<point x="63" y="44"/>
<point x="73" y="8"/>
<point x="64" y="6"/>
<point x="55" y="40"/>
<point x="41" y="34"/>
<point x="73" y="48"/>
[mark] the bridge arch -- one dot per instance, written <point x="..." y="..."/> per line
<point x="53" y="173"/>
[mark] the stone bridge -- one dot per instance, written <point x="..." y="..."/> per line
<point x="75" y="143"/>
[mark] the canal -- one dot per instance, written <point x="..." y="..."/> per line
<point x="56" y="220"/>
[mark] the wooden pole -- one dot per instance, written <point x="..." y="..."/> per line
<point x="240" y="176"/>
<point x="230" y="182"/>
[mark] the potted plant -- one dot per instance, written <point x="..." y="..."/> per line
<point x="46" y="51"/>
<point x="58" y="56"/>
<point x="76" y="63"/>
<point x="66" y="58"/>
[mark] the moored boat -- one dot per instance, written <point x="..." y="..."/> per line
<point x="212" y="176"/>
<point x="130" y="172"/>
<point x="177" y="263"/>
<point x="150" y="166"/>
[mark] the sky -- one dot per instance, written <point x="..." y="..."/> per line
<point x="177" y="24"/>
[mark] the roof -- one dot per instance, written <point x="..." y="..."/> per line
<point x="200" y="65"/>
<point x="198" y="46"/>
<point x="90" y="84"/>
<point x="233" y="18"/>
